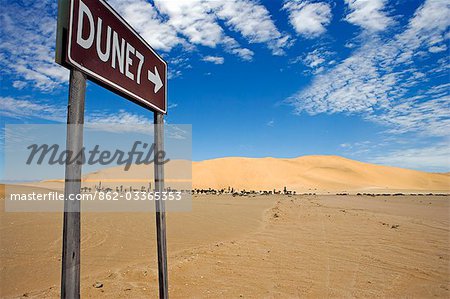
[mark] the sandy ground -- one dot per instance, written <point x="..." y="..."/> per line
<point x="251" y="247"/>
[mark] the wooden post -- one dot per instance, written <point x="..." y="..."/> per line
<point x="160" y="209"/>
<point x="70" y="278"/>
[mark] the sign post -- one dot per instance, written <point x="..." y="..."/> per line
<point x="160" y="209"/>
<point x="96" y="43"/>
<point x="70" y="276"/>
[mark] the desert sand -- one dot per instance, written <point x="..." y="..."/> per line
<point x="272" y="246"/>
<point x="252" y="247"/>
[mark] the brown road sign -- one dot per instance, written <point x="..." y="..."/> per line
<point x="103" y="45"/>
<point x="93" y="39"/>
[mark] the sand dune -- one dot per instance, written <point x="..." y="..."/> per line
<point x="317" y="173"/>
<point x="310" y="174"/>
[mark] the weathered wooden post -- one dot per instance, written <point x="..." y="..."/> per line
<point x="70" y="282"/>
<point x="160" y="208"/>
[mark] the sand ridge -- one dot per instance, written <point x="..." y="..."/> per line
<point x="306" y="174"/>
<point x="312" y="173"/>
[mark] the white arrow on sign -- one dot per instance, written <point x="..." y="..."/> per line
<point x="155" y="79"/>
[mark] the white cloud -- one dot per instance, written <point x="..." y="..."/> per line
<point x="143" y="16"/>
<point x="430" y="158"/>
<point x="233" y="47"/>
<point x="24" y="108"/>
<point x="429" y="118"/>
<point x="369" y="14"/>
<point x="19" y="84"/>
<point x="244" y="53"/>
<point x="427" y="28"/>
<point x="352" y="86"/>
<point x="437" y="49"/>
<point x="193" y="19"/>
<point x="27" y="47"/>
<point x="28" y="32"/>
<point x="198" y="21"/>
<point x="214" y="59"/>
<point x="379" y="80"/>
<point x="308" y="19"/>
<point x="121" y="121"/>
<point x="253" y="21"/>
<point x="121" y="117"/>
<point x="271" y="123"/>
<point x="318" y="60"/>
<point x="173" y="73"/>
<point x="313" y="60"/>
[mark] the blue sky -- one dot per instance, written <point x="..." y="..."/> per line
<point x="368" y="80"/>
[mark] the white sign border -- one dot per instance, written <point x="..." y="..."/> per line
<point x="96" y="76"/>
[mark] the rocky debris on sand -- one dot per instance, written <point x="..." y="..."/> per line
<point x="98" y="285"/>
